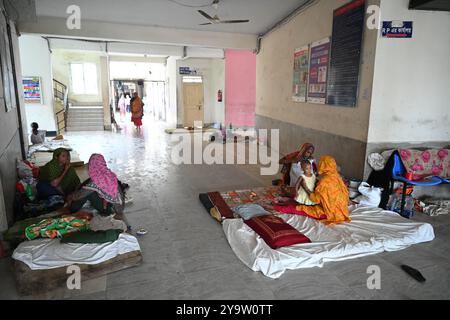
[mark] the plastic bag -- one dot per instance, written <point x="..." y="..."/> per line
<point x="370" y="196"/>
<point x="376" y="161"/>
<point x="26" y="170"/>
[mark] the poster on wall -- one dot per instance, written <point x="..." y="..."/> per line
<point x="318" y="71"/>
<point x="301" y="64"/>
<point x="348" y="27"/>
<point x="32" y="91"/>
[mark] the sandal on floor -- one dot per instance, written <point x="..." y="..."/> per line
<point x="128" y="199"/>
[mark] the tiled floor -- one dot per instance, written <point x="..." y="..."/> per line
<point x="186" y="255"/>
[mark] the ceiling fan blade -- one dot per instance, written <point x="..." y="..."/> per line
<point x="234" y="21"/>
<point x="207" y="16"/>
<point x="205" y="24"/>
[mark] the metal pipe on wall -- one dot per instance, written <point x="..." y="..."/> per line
<point x="304" y="6"/>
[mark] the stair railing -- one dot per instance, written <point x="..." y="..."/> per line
<point x="61" y="93"/>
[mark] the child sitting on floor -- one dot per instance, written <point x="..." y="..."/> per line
<point x="37" y="136"/>
<point x="307" y="181"/>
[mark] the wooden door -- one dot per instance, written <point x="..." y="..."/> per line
<point x="193" y="103"/>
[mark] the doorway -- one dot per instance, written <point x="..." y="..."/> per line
<point x="154" y="97"/>
<point x="193" y="100"/>
<point x="153" y="94"/>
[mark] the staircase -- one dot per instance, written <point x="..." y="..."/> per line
<point x="85" y="118"/>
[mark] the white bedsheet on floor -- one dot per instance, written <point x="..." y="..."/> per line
<point x="44" y="254"/>
<point x="371" y="231"/>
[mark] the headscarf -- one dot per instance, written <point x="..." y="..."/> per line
<point x="331" y="194"/>
<point x="298" y="155"/>
<point x="53" y="170"/>
<point x="328" y="166"/>
<point x="304" y="148"/>
<point x="103" y="181"/>
<point x="295" y="157"/>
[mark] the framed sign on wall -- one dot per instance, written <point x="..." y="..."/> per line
<point x="301" y="64"/>
<point x="348" y="28"/>
<point x="397" y="29"/>
<point x="318" y="71"/>
<point x="32" y="91"/>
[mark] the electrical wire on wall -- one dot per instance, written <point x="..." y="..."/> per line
<point x="306" y="5"/>
<point x="8" y="14"/>
<point x="48" y="39"/>
<point x="191" y="6"/>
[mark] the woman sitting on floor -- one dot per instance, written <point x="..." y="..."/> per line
<point x="102" y="189"/>
<point x="330" y="194"/>
<point x="292" y="164"/>
<point x="57" y="177"/>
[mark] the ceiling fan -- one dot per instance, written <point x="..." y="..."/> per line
<point x="216" y="19"/>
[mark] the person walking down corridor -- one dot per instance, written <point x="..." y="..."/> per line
<point x="127" y="102"/>
<point x="137" y="110"/>
<point x="122" y="107"/>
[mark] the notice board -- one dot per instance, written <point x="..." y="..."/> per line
<point x="301" y="64"/>
<point x="32" y="91"/>
<point x="318" y="71"/>
<point x="346" y="43"/>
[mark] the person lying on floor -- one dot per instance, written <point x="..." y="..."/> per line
<point x="330" y="194"/>
<point x="291" y="169"/>
<point x="102" y="189"/>
<point x="57" y="177"/>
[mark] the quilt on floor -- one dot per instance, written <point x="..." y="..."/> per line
<point x="371" y="231"/>
<point x="220" y="204"/>
<point x="43" y="254"/>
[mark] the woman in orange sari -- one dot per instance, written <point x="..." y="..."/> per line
<point x="330" y="194"/>
<point x="137" y="110"/>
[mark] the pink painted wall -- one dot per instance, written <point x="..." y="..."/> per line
<point x="240" y="88"/>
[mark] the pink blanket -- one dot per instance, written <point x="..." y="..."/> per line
<point x="433" y="162"/>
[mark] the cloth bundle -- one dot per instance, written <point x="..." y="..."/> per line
<point x="370" y="196"/>
<point x="57" y="227"/>
<point x="434" y="208"/>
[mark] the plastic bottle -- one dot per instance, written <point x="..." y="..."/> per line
<point x="29" y="192"/>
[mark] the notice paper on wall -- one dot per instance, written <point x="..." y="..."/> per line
<point x="301" y="64"/>
<point x="32" y="91"/>
<point x="318" y="71"/>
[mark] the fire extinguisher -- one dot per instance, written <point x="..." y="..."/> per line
<point x="219" y="96"/>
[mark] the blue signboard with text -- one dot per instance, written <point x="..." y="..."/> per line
<point x="185" y="70"/>
<point x="397" y="29"/>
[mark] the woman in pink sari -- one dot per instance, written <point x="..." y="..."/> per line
<point x="102" y="189"/>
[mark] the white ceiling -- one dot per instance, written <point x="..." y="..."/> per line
<point x="166" y="13"/>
